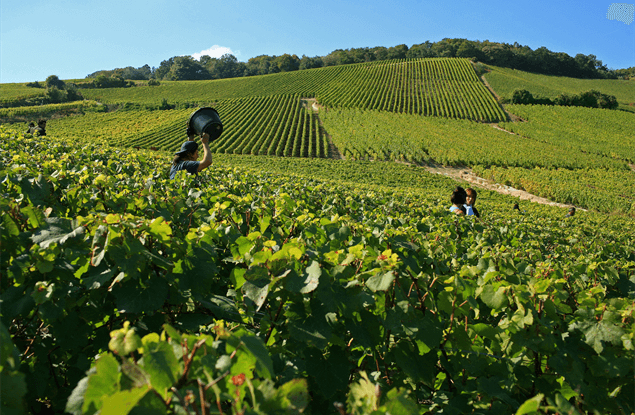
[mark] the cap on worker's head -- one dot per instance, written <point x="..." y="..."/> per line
<point x="188" y="147"/>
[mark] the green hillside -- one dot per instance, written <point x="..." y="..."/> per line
<point x="506" y="80"/>
<point x="440" y="86"/>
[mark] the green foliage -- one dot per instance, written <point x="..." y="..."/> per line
<point x="589" y="99"/>
<point x="165" y="105"/>
<point x="35" y="84"/>
<point x="13" y="387"/>
<point x="319" y="275"/>
<point x="115" y="81"/>
<point x="522" y="96"/>
<point x="186" y="68"/>
<point x="54" y="81"/>
<point x="55" y="95"/>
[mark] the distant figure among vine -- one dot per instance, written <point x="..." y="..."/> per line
<point x="470" y="201"/>
<point x="458" y="198"/>
<point x="39" y="130"/>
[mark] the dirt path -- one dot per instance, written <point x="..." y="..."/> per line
<point x="511" y="116"/>
<point x="334" y="153"/>
<point x="466" y="175"/>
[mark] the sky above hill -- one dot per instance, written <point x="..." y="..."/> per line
<point x="71" y="38"/>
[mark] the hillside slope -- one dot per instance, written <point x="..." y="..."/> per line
<point x="506" y="80"/>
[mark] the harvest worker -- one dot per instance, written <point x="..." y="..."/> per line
<point x="469" y="203"/>
<point x="30" y="129"/>
<point x="186" y="158"/>
<point x="39" y="130"/>
<point x="458" y="200"/>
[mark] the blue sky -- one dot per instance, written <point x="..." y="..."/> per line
<point x="72" y="39"/>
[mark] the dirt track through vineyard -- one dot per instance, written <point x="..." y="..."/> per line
<point x="466" y="175"/>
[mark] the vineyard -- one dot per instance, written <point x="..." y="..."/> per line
<point x="282" y="281"/>
<point x="373" y="111"/>
<point x="506" y="80"/>
<point x="278" y="125"/>
<point x="586" y="130"/>
<point x="380" y="135"/>
<point x="441" y="87"/>
<point x="34" y="112"/>
<point x="593" y="188"/>
<point x="244" y="290"/>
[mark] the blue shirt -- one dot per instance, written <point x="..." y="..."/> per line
<point x="188" y="165"/>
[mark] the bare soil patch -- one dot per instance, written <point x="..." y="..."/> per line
<point x="333" y="151"/>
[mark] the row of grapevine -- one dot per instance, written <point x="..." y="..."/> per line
<point x="34" y="112"/>
<point x="440" y="87"/>
<point x="604" y="132"/>
<point x="119" y="127"/>
<point x="274" y="125"/>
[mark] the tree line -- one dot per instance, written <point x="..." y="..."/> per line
<point x="590" y="99"/>
<point x="515" y="56"/>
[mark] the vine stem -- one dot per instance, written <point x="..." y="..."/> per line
<point x="26" y="352"/>
<point x="444" y="370"/>
<point x="188" y="363"/>
<point x="272" y="323"/>
<point x="201" y="394"/>
<point x="421" y="299"/>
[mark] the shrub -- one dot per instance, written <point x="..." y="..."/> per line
<point x="103" y="81"/>
<point x="522" y="96"/>
<point x="165" y="106"/>
<point x="35" y="84"/>
<point x="55" y="81"/>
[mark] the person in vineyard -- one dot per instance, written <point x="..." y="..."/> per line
<point x="39" y="130"/>
<point x="187" y="157"/>
<point x="470" y="200"/>
<point x="30" y="128"/>
<point x="458" y="199"/>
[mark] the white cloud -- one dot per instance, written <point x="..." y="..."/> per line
<point x="214" y="52"/>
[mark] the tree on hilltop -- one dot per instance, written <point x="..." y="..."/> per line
<point x="55" y="81"/>
<point x="288" y="63"/>
<point x="187" y="68"/>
